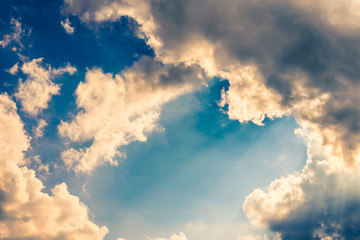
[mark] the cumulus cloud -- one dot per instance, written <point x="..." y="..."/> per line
<point x="322" y="201"/>
<point x="66" y="25"/>
<point x="298" y="48"/>
<point x="25" y="211"/>
<point x="36" y="91"/>
<point x="248" y="98"/>
<point x="280" y="58"/>
<point x="117" y="110"/>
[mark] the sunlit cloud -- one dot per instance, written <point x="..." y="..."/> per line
<point x="120" y="109"/>
<point x="36" y="91"/>
<point x="271" y="60"/>
<point x="67" y="26"/>
<point x="26" y="211"/>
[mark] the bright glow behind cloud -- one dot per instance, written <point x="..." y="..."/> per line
<point x="320" y="201"/>
<point x="280" y="57"/>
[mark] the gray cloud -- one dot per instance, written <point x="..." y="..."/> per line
<point x="280" y="57"/>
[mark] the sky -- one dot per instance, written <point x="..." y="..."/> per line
<point x="179" y="120"/>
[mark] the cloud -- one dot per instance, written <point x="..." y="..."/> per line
<point x="38" y="131"/>
<point x="280" y="58"/>
<point x="257" y="237"/>
<point x="25" y="211"/>
<point x="14" y="69"/>
<point x="323" y="200"/>
<point x="248" y="98"/>
<point x="117" y="110"/>
<point x="36" y="91"/>
<point x="181" y="236"/>
<point x="66" y="25"/>
<point x="297" y="48"/>
<point x="15" y="36"/>
<point x="42" y="170"/>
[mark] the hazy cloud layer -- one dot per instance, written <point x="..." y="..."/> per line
<point x="280" y="57"/>
<point x="25" y="211"/>
<point x="117" y="110"/>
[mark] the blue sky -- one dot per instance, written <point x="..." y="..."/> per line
<point x="179" y="120"/>
<point x="201" y="164"/>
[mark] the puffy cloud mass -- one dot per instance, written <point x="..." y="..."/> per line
<point x="25" y="211"/>
<point x="299" y="53"/>
<point x="280" y="58"/>
<point x="36" y="91"/>
<point x="320" y="202"/>
<point x="117" y="110"/>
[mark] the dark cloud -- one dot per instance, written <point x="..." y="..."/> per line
<point x="335" y="221"/>
<point x="281" y="39"/>
<point x="307" y="53"/>
<point x="169" y="74"/>
<point x="2" y="200"/>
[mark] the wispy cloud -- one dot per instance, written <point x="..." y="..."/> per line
<point x="180" y="236"/>
<point x="15" y="36"/>
<point x="66" y="25"/>
<point x="38" y="131"/>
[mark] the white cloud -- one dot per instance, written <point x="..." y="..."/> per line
<point x="38" y="131"/>
<point x="25" y="211"/>
<point x="248" y="98"/>
<point x="117" y="110"/>
<point x="15" y="36"/>
<point x="66" y="25"/>
<point x="14" y="69"/>
<point x="36" y="91"/>
<point x="180" y="236"/>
